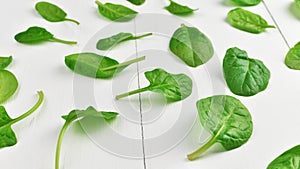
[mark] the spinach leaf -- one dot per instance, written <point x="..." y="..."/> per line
<point x="191" y="46"/>
<point x="115" y="12"/>
<point x="5" y="61"/>
<point x="292" y="59"/>
<point x="244" y="76"/>
<point x="8" y="85"/>
<point x="288" y="160"/>
<point x="110" y="42"/>
<point x="37" y="35"/>
<point x="174" y="87"/>
<point x="246" y="2"/>
<point x="228" y="121"/>
<point x="178" y="9"/>
<point x="137" y="2"/>
<point x="52" y="13"/>
<point x="96" y="66"/>
<point x="79" y="115"/>
<point x="247" y="21"/>
<point x="8" y="137"/>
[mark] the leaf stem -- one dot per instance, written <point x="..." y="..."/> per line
<point x="59" y="142"/>
<point x="64" y="41"/>
<point x="132" y="92"/>
<point x="270" y="26"/>
<point x="29" y="112"/>
<point x="124" y="63"/>
<point x="201" y="150"/>
<point x="72" y="20"/>
<point x="141" y="36"/>
<point x="98" y="3"/>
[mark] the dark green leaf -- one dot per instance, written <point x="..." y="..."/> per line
<point x="110" y="42"/>
<point x="96" y="66"/>
<point x="36" y="35"/>
<point x="8" y="85"/>
<point x="5" y="61"/>
<point x="7" y="135"/>
<point x="246" y="2"/>
<point x="116" y="12"/>
<point x="191" y="46"/>
<point x="288" y="160"/>
<point x="228" y="121"/>
<point x="137" y="2"/>
<point x="178" y="9"/>
<point x="292" y="59"/>
<point x="244" y="76"/>
<point x="52" y="13"/>
<point x="247" y="21"/>
<point x="174" y="87"/>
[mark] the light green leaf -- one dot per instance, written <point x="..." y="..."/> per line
<point x="292" y="59"/>
<point x="246" y="2"/>
<point x="288" y="160"/>
<point x="8" y="85"/>
<point x="137" y="2"/>
<point x="247" y="21"/>
<point x="178" y="9"/>
<point x="191" y="46"/>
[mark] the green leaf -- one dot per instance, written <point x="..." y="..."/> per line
<point x="247" y="21"/>
<point x="37" y="35"/>
<point x="228" y="121"/>
<point x="244" y="76"/>
<point x="191" y="46"/>
<point x="297" y="2"/>
<point x="8" y="85"/>
<point x="96" y="66"/>
<point x="292" y="59"/>
<point x="110" y="42"/>
<point x="174" y="87"/>
<point x="246" y="2"/>
<point x="79" y="115"/>
<point x="116" y="12"/>
<point x="5" y="61"/>
<point x="7" y="135"/>
<point x="52" y="13"/>
<point x="178" y="9"/>
<point x="288" y="160"/>
<point x="137" y="2"/>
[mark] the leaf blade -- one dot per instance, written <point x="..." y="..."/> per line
<point x="5" y="61"/>
<point x="178" y="9"/>
<point x="8" y="85"/>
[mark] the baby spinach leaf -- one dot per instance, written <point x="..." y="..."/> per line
<point x="292" y="59"/>
<point x="116" y="12"/>
<point x="228" y="121"/>
<point x="244" y="76"/>
<point x="137" y="2"/>
<point x="191" y="46"/>
<point x="110" y="42"/>
<point x="297" y="2"/>
<point x="174" y="87"/>
<point x="288" y="160"/>
<point x="8" y="85"/>
<point x="247" y="21"/>
<point x="8" y="137"/>
<point x="37" y="35"/>
<point x="76" y="115"/>
<point x="246" y="2"/>
<point x="5" y="61"/>
<point x="96" y="66"/>
<point x="52" y="13"/>
<point x="178" y="9"/>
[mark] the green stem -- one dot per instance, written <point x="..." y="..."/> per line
<point x="132" y="92"/>
<point x="64" y="41"/>
<point x="72" y="20"/>
<point x="270" y="26"/>
<point x="29" y="112"/>
<point x="59" y="141"/>
<point x="99" y="3"/>
<point x="124" y="63"/>
<point x="201" y="150"/>
<point x="141" y="36"/>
